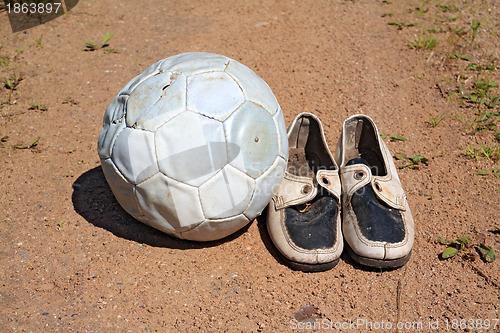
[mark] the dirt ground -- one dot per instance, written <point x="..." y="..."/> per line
<point x="72" y="260"/>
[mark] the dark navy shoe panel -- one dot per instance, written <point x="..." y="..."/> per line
<point x="377" y="221"/>
<point x="315" y="228"/>
<point x="373" y="169"/>
<point x="357" y="161"/>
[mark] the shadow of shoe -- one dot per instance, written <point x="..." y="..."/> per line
<point x="94" y="201"/>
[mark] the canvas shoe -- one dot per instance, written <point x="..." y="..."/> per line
<point x="304" y="216"/>
<point x="376" y="220"/>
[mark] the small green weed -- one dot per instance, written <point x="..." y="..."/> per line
<point x="11" y="84"/>
<point x="397" y="137"/>
<point x="31" y="145"/>
<point x="482" y="93"/>
<point x="449" y="19"/>
<point x="411" y="162"/>
<point x="448" y="8"/>
<point x="458" y="55"/>
<point x="475" y="29"/>
<point x="38" y="106"/>
<point x="401" y="25"/>
<point x="434" y="121"/>
<point x="495" y="173"/>
<point x="38" y="41"/>
<point x="91" y="46"/>
<point x="486" y="121"/>
<point x="3" y="140"/>
<point x="490" y="152"/>
<point x="464" y="244"/>
<point x="109" y="50"/>
<point x="13" y="81"/>
<point x="427" y="43"/>
<point x="71" y="101"/>
<point x="476" y="67"/>
<point x="471" y="153"/>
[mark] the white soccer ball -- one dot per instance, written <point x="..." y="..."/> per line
<point x="195" y="146"/>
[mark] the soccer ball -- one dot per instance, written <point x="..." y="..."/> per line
<point x="195" y="146"/>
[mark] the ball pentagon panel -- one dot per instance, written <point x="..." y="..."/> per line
<point x="191" y="148"/>
<point x="253" y="131"/>
<point x="214" y="94"/>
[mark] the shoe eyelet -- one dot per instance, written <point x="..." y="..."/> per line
<point x="378" y="187"/>
<point x="359" y="174"/>
<point x="325" y="181"/>
<point x="306" y="189"/>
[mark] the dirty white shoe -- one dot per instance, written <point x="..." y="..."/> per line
<point x="376" y="220"/>
<point x="304" y="216"/>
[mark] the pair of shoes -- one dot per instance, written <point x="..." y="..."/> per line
<point x="320" y="203"/>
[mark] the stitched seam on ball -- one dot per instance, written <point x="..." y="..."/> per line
<point x="253" y="191"/>
<point x="196" y="226"/>
<point x="137" y="202"/>
<point x="112" y="145"/>
<point x="226" y="65"/>
<point x="201" y="204"/>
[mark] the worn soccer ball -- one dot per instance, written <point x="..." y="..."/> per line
<point x="195" y="146"/>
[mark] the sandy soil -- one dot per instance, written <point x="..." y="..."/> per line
<point x="73" y="261"/>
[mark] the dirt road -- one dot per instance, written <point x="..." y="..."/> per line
<point x="73" y="261"/>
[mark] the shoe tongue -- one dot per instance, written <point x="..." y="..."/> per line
<point x="357" y="161"/>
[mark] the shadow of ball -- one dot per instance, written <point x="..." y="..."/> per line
<point x="93" y="200"/>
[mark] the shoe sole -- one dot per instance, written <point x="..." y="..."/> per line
<point x="377" y="263"/>
<point x="310" y="268"/>
<point x="307" y="268"/>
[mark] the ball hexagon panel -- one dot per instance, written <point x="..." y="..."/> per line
<point x="283" y="140"/>
<point x="122" y="189"/>
<point x="216" y="229"/>
<point x="254" y="88"/>
<point x="148" y="72"/>
<point x="169" y="205"/>
<point x="172" y="101"/>
<point x="194" y="62"/>
<point x="214" y="94"/>
<point x="134" y="154"/>
<point x="145" y="95"/>
<point x="253" y="130"/>
<point x="113" y="123"/>
<point x="265" y="186"/>
<point x="226" y="194"/>
<point x="115" y="110"/>
<point x="199" y="150"/>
